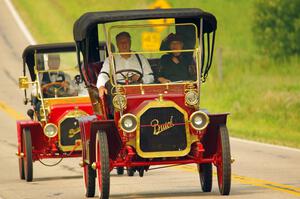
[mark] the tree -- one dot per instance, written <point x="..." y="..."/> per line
<point x="277" y="27"/>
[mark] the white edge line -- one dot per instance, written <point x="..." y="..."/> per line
<point x="20" y="22"/>
<point x="265" y="144"/>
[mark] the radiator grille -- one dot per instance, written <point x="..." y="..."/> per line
<point x="162" y="129"/>
<point x="69" y="132"/>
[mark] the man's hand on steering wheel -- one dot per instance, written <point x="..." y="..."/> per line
<point x="129" y="76"/>
<point x="135" y="78"/>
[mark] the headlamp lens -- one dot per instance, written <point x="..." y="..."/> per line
<point x="199" y="120"/>
<point x="128" y="123"/>
<point x="50" y="130"/>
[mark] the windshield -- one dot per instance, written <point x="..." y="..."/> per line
<point x="153" y="53"/>
<point x="58" y="75"/>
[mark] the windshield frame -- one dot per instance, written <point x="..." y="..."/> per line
<point x="111" y="54"/>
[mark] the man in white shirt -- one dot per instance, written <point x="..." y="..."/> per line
<point x="123" y="62"/>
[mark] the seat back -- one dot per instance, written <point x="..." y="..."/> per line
<point x="155" y="66"/>
<point x="91" y="72"/>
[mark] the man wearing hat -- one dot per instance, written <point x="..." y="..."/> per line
<point x="175" y="65"/>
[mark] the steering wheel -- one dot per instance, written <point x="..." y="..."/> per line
<point x="50" y="88"/>
<point x="127" y="74"/>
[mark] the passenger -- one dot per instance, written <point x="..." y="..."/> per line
<point x="175" y="65"/>
<point x="78" y="86"/>
<point x="125" y="61"/>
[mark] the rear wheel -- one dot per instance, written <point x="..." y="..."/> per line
<point x="141" y="171"/>
<point x="27" y="150"/>
<point x="205" y="174"/>
<point x="89" y="176"/>
<point x="130" y="171"/>
<point x="102" y="162"/>
<point x="224" y="161"/>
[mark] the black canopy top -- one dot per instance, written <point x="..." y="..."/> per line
<point x="89" y="20"/>
<point x="47" y="48"/>
<point x="29" y="52"/>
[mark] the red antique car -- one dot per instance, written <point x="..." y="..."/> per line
<point x="57" y="98"/>
<point x="156" y="121"/>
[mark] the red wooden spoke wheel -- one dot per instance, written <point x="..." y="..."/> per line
<point x="27" y="150"/>
<point x="89" y="176"/>
<point x="102" y="165"/>
<point x="223" y="161"/>
<point x="205" y="174"/>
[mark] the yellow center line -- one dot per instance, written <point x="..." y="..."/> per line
<point x="11" y="112"/>
<point x="254" y="181"/>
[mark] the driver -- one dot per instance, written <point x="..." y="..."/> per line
<point x="54" y="75"/>
<point x="123" y="62"/>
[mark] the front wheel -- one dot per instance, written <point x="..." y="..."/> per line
<point x="205" y="174"/>
<point x="27" y="150"/>
<point x="224" y="161"/>
<point x="89" y="176"/>
<point x="102" y="162"/>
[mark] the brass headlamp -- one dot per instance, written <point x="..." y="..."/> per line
<point x="199" y="120"/>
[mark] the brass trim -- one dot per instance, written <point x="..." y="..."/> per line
<point x="206" y="117"/>
<point x="120" y="122"/>
<point x="119" y="102"/>
<point x="142" y="89"/>
<point x="20" y="155"/>
<point x="68" y="100"/>
<point x="94" y="165"/>
<point x="195" y="102"/>
<point x="72" y="114"/>
<point x="24" y="83"/>
<point x="160" y="104"/>
<point x="160" y="97"/>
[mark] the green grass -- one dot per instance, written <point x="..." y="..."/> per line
<point x="262" y="96"/>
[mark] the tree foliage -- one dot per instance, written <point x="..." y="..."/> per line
<point x="277" y="27"/>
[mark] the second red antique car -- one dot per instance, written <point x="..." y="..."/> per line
<point x="156" y="121"/>
<point x="58" y="97"/>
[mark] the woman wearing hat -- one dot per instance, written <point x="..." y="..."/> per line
<point x="175" y="65"/>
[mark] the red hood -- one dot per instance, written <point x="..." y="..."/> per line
<point x="60" y="110"/>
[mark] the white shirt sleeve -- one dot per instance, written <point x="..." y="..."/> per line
<point x="148" y="73"/>
<point x="103" y="76"/>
